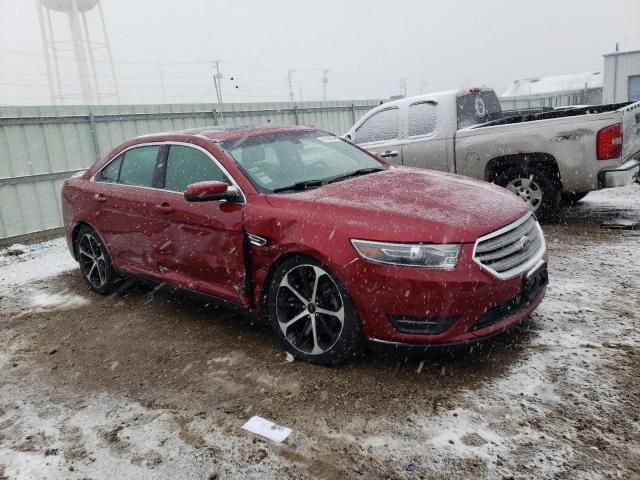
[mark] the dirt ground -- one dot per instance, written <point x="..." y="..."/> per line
<point x="151" y="383"/>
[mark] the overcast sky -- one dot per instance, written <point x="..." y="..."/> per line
<point x="367" y="46"/>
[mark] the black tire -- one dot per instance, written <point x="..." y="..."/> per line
<point x="539" y="182"/>
<point x="336" y="340"/>
<point x="95" y="264"/>
<point x="571" y="198"/>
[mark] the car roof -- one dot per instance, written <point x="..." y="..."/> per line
<point x="223" y="133"/>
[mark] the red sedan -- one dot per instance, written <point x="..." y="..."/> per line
<point x="331" y="244"/>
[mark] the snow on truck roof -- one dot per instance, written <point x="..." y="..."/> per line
<point x="436" y="96"/>
<point x="554" y="84"/>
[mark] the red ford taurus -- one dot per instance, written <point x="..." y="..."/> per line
<point x="330" y="243"/>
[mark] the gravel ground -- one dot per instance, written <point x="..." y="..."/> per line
<point x="151" y="383"/>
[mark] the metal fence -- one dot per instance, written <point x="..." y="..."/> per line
<point x="41" y="146"/>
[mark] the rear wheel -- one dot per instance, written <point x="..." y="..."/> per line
<point x="95" y="264"/>
<point x="312" y="313"/>
<point x="571" y="198"/>
<point x="541" y="191"/>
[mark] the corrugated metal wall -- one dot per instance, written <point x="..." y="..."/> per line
<point x="41" y="146"/>
<point x="618" y="67"/>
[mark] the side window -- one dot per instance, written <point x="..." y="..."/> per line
<point x="138" y="166"/>
<point x="186" y="165"/>
<point x="422" y="119"/>
<point x="381" y="126"/>
<point x="111" y="172"/>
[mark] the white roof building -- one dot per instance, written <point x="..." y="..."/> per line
<point x="554" y="91"/>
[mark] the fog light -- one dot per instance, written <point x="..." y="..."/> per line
<point x="421" y="325"/>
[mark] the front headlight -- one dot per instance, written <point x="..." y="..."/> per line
<point x="413" y="254"/>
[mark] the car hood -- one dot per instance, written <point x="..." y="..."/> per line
<point x="408" y="205"/>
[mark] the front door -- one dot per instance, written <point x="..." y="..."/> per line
<point x="380" y="134"/>
<point x="202" y="247"/>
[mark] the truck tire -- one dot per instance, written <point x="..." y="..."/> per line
<point x="539" y="189"/>
<point x="571" y="198"/>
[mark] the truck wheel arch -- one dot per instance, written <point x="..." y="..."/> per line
<point x="541" y="161"/>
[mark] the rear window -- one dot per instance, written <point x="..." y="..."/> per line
<point x="138" y="166"/>
<point x="477" y="108"/>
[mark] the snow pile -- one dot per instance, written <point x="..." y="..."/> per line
<point x="61" y="301"/>
<point x="37" y="262"/>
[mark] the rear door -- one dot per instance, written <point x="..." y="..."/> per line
<point x="380" y="134"/>
<point x="425" y="145"/>
<point x="129" y="211"/>
<point x="201" y="248"/>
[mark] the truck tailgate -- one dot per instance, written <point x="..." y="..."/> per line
<point x="630" y="130"/>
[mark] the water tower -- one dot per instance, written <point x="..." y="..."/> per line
<point x="88" y="50"/>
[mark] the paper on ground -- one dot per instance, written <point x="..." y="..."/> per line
<point x="266" y="428"/>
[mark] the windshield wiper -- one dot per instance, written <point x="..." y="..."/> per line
<point x="357" y="173"/>
<point x="306" y="185"/>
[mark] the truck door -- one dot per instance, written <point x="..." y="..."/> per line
<point x="425" y="145"/>
<point x="380" y="134"/>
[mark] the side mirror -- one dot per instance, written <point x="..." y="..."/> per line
<point x="347" y="137"/>
<point x="209" y="191"/>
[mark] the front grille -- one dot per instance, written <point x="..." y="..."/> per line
<point x="512" y="249"/>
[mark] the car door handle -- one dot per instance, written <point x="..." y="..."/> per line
<point x="98" y="197"/>
<point x="389" y="153"/>
<point x="164" y="208"/>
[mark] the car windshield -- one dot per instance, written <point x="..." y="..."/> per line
<point x="299" y="160"/>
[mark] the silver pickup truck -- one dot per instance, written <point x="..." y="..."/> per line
<point x="548" y="158"/>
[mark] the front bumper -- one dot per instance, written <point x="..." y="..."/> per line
<point x="621" y="176"/>
<point x="473" y="338"/>
<point x="479" y="303"/>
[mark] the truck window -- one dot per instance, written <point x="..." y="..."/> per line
<point x="380" y="126"/>
<point x="422" y="119"/>
<point x="477" y="108"/>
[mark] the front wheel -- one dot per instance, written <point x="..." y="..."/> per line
<point x="541" y="191"/>
<point x="312" y="313"/>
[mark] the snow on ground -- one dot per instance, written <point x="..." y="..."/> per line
<point x="40" y="261"/>
<point x="147" y="386"/>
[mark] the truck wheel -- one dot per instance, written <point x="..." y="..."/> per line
<point x="540" y="190"/>
<point x="312" y="313"/>
<point x="571" y="198"/>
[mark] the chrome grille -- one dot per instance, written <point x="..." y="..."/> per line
<point x="512" y="249"/>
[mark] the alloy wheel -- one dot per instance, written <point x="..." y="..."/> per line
<point x="310" y="309"/>
<point x="93" y="263"/>
<point x="528" y="190"/>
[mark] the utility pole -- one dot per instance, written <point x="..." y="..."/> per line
<point x="324" y="81"/>
<point x="217" y="80"/>
<point x="300" y="97"/>
<point x="291" y="94"/>
<point x="403" y="87"/>
<point x="164" y="93"/>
